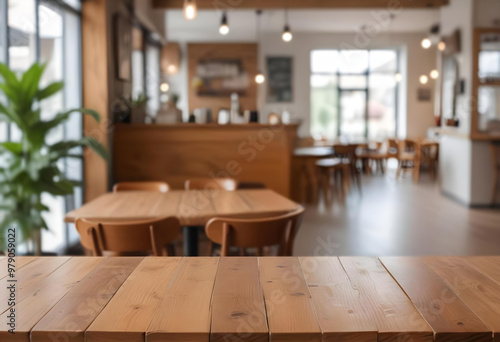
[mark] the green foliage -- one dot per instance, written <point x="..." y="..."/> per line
<point x="139" y="101"/>
<point x="31" y="167"/>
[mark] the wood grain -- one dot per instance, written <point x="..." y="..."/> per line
<point x="192" y="207"/>
<point x="238" y="309"/>
<point x="488" y="265"/>
<point x="128" y="314"/>
<point x="71" y="316"/>
<point x="449" y="317"/>
<point x="390" y="309"/>
<point x="175" y="153"/>
<point x="477" y="290"/>
<point x="185" y="312"/>
<point x="43" y="295"/>
<point x="290" y="310"/>
<point x="19" y="263"/>
<point x="340" y="310"/>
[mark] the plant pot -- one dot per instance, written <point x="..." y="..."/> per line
<point x="138" y="115"/>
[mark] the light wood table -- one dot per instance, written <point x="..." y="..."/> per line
<point x="253" y="299"/>
<point x="193" y="208"/>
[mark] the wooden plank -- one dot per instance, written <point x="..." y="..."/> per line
<point x="42" y="297"/>
<point x="19" y="263"/>
<point x="130" y="311"/>
<point x="238" y="309"/>
<point x="267" y="202"/>
<point x="290" y="310"/>
<point x="340" y="312"/>
<point x="390" y="309"/>
<point x="449" y="317"/>
<point x="477" y="290"/>
<point x="301" y="4"/>
<point x="72" y="315"/>
<point x="185" y="311"/>
<point x="28" y="277"/>
<point x="488" y="265"/>
<point x="226" y="203"/>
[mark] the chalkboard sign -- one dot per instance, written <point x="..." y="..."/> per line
<point x="279" y="83"/>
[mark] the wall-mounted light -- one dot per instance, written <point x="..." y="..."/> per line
<point x="424" y="79"/>
<point x="287" y="33"/>
<point x="426" y="43"/>
<point x="190" y="9"/>
<point x="224" y="27"/>
<point x="441" y="46"/>
<point x="434" y="74"/>
<point x="260" y="78"/>
<point x="398" y="77"/>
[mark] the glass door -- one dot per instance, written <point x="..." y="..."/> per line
<point x="353" y="113"/>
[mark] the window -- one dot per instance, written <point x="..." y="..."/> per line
<point x="48" y="31"/>
<point x="353" y="93"/>
<point x="152" y="77"/>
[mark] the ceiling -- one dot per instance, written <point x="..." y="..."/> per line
<point x="243" y="22"/>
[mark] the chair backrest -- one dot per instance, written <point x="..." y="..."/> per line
<point x="135" y="236"/>
<point x="141" y="186"/>
<point x="347" y="151"/>
<point x="392" y="148"/>
<point x="260" y="232"/>
<point x="408" y="145"/>
<point x="228" y="184"/>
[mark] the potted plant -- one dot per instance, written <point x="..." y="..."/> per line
<point x="137" y="107"/>
<point x="30" y="167"/>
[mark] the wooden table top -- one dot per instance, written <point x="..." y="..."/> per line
<point x="192" y="207"/>
<point x="253" y="299"/>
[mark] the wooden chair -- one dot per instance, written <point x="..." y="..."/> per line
<point x="495" y="150"/>
<point x="141" y="186"/>
<point x="409" y="158"/>
<point x="255" y="233"/>
<point x="392" y="149"/>
<point x="332" y="169"/>
<point x="348" y="155"/>
<point x="369" y="155"/>
<point x="227" y="184"/>
<point x="129" y="237"/>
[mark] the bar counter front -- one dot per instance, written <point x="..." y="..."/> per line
<point x="254" y="153"/>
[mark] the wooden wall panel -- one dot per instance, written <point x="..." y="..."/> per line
<point x="247" y="52"/>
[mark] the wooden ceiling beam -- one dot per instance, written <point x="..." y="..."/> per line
<point x="301" y="4"/>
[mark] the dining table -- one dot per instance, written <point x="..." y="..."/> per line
<point x="193" y="208"/>
<point x="311" y="298"/>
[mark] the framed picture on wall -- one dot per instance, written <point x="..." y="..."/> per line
<point x="279" y="84"/>
<point x="123" y="50"/>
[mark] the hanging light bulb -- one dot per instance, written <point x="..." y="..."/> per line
<point x="224" y="27"/>
<point x="190" y="9"/>
<point x="398" y="77"/>
<point x="424" y="79"/>
<point x="434" y="74"/>
<point x="426" y="43"/>
<point x="260" y="78"/>
<point x="287" y="34"/>
<point x="164" y="87"/>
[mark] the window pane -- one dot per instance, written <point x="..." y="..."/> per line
<point x="489" y="64"/>
<point x="352" y="109"/>
<point x="489" y="108"/>
<point x="324" y="106"/>
<point x="3" y="55"/>
<point x="381" y="106"/>
<point x="353" y="81"/>
<point x="22" y="34"/>
<point x="324" y="61"/>
<point x="152" y="78"/>
<point x="353" y="61"/>
<point x="383" y="61"/>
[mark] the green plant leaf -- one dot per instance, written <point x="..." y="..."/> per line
<point x="11" y="115"/>
<point x="13" y="147"/>
<point x="64" y="147"/>
<point x="50" y="90"/>
<point x="9" y="76"/>
<point x="11" y="93"/>
<point x="31" y="80"/>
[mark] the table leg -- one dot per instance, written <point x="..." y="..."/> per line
<point x="190" y="240"/>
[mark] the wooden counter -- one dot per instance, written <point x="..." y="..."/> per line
<point x="174" y="153"/>
<point x="252" y="299"/>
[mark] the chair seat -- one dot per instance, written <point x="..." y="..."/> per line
<point x="329" y="162"/>
<point x="407" y="156"/>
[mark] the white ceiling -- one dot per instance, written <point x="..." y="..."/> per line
<point x="243" y="22"/>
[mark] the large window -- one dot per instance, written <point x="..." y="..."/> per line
<point x="353" y="93"/>
<point x="48" y="31"/>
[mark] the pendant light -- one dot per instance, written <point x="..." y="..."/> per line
<point x="224" y="27"/>
<point x="259" y="78"/>
<point x="398" y="77"/>
<point x="189" y="9"/>
<point x="287" y="34"/>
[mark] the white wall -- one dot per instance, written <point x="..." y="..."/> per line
<point x="416" y="116"/>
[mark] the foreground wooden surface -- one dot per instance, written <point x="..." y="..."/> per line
<point x="254" y="299"/>
<point x="191" y="207"/>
